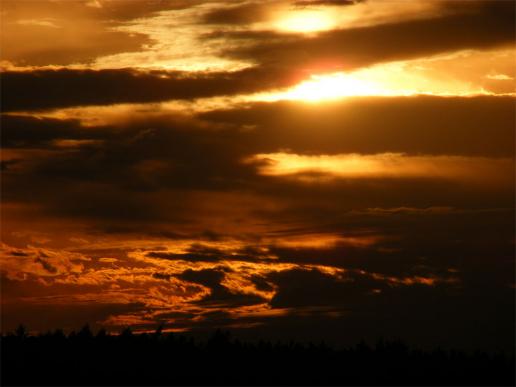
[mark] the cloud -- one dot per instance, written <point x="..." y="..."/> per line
<point x="147" y="175"/>
<point x="445" y="126"/>
<point x="29" y="132"/>
<point x="47" y="32"/>
<point x="246" y="13"/>
<point x="38" y="22"/>
<point x="261" y="11"/>
<point x="416" y="125"/>
<point x="46" y="89"/>
<point x="357" y="217"/>
<point x="220" y="294"/>
<point x="307" y="3"/>
<point x="40" y="42"/>
<point x="41" y="318"/>
<point x="18" y="264"/>
<point x="370" y="285"/>
<point x="472" y="25"/>
<point x="318" y="168"/>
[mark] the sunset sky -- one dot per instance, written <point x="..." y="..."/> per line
<point x="310" y="169"/>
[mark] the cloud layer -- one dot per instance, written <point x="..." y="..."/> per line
<point x="154" y="171"/>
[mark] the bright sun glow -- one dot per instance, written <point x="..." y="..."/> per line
<point x="333" y="86"/>
<point x="392" y="79"/>
<point x="322" y="87"/>
<point x="305" y="21"/>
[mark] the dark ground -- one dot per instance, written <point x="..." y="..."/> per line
<point x="171" y="359"/>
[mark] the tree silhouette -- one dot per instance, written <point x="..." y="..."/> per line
<point x="21" y="331"/>
<point x="82" y="358"/>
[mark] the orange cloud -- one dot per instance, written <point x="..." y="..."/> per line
<point x="36" y="261"/>
<point x="383" y="165"/>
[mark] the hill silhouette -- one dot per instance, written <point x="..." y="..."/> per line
<point x="85" y="358"/>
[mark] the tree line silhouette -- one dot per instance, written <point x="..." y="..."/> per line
<point x="85" y="358"/>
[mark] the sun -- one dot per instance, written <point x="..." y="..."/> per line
<point x="305" y="21"/>
<point x="332" y="86"/>
<point x="329" y="86"/>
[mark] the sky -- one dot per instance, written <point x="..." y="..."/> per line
<point x="306" y="169"/>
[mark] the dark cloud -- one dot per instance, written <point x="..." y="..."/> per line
<point x="316" y="306"/>
<point x="444" y="126"/>
<point x="406" y="250"/>
<point x="261" y="283"/>
<point x="30" y="132"/>
<point x="246" y="13"/>
<point x="417" y="125"/>
<point x="313" y="288"/>
<point x="162" y="276"/>
<point x="152" y="170"/>
<point x="195" y="253"/>
<point x="417" y="313"/>
<point x="259" y="11"/>
<point x="7" y="164"/>
<point x="45" y="89"/>
<point x="307" y="3"/>
<point x="47" y="266"/>
<point x="473" y="25"/>
<point x="220" y="294"/>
